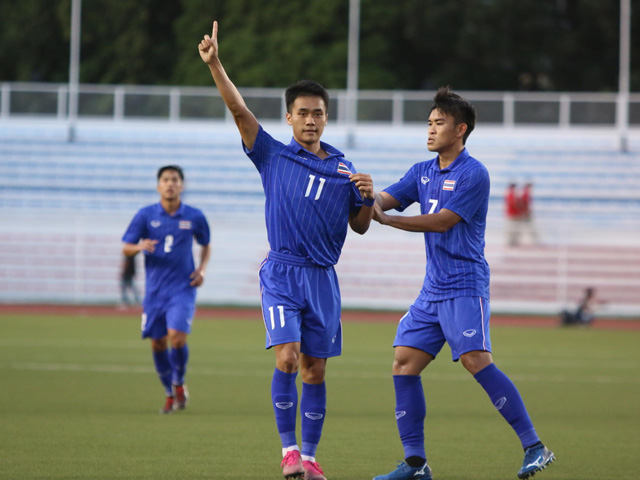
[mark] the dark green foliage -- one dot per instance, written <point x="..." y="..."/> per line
<point x="554" y="45"/>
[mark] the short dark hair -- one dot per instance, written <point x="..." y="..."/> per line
<point x="175" y="168"/>
<point x="305" y="88"/>
<point x="459" y="108"/>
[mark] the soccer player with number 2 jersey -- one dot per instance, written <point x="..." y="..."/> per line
<point x="313" y="194"/>
<point x="453" y="305"/>
<point x="164" y="232"/>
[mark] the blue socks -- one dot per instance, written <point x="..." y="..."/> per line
<point x="179" y="358"/>
<point x="505" y="397"/>
<point x="313" y="407"/>
<point x="411" y="410"/>
<point x="284" y="396"/>
<point x="163" y="367"/>
<point x="171" y="366"/>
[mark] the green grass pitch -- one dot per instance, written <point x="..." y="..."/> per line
<point x="80" y="401"/>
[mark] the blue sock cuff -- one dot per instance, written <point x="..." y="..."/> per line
<point x="283" y="377"/>
<point x="403" y="381"/>
<point x="182" y="350"/>
<point x="315" y="389"/>
<point x="485" y="372"/>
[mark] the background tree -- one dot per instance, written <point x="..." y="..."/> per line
<point x="554" y="45"/>
<point x="33" y="42"/>
<point x="129" y="42"/>
<point x="268" y="44"/>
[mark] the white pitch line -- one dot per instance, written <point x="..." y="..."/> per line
<point x="59" y="343"/>
<point x="449" y="377"/>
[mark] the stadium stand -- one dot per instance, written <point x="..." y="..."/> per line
<point x="66" y="204"/>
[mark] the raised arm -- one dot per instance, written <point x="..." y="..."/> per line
<point x="244" y="118"/>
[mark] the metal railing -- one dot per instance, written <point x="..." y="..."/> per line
<point x="175" y="104"/>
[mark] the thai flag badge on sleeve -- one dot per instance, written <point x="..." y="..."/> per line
<point x="184" y="225"/>
<point x="342" y="168"/>
<point x="449" y="185"/>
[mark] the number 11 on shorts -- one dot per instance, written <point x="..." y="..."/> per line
<point x="281" y="312"/>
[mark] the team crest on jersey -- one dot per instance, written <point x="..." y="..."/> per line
<point x="342" y="168"/>
<point x="449" y="185"/>
<point x="184" y="225"/>
<point x="156" y="223"/>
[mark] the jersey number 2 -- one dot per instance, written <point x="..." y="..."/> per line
<point x="168" y="243"/>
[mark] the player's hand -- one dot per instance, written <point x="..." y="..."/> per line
<point x="364" y="184"/>
<point x="378" y="215"/>
<point x="208" y="47"/>
<point x="197" y="278"/>
<point x="148" y="245"/>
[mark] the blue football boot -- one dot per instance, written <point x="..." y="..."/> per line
<point x="536" y="458"/>
<point x="405" y="472"/>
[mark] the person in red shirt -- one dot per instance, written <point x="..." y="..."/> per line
<point x="519" y="214"/>
<point x="513" y="214"/>
<point x="526" y="220"/>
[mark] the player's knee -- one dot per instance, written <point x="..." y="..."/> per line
<point x="476" y="361"/>
<point x="313" y="375"/>
<point x="159" y="345"/>
<point x="288" y="362"/>
<point x="410" y="361"/>
<point x="403" y="366"/>
<point x="177" y="338"/>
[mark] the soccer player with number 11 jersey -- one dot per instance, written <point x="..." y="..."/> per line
<point x="312" y="195"/>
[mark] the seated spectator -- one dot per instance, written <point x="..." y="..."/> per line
<point x="584" y="314"/>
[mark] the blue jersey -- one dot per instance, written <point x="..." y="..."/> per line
<point x="169" y="267"/>
<point x="308" y="199"/>
<point x="456" y="266"/>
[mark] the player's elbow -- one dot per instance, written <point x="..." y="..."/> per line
<point x="360" y="227"/>
<point x="445" y="221"/>
<point x="442" y="228"/>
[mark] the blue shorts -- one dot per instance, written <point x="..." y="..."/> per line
<point x="301" y="303"/>
<point x="176" y="315"/>
<point x="462" y="322"/>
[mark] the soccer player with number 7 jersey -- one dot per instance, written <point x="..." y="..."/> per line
<point x="164" y="232"/>
<point x="312" y="195"/>
<point x="453" y="306"/>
